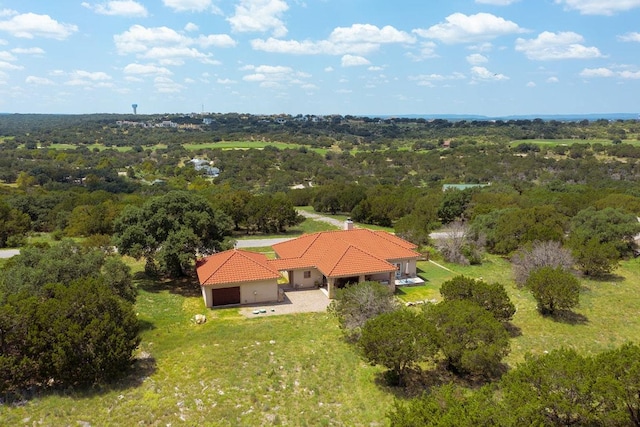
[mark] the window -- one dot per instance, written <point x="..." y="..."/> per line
<point x="307" y="274"/>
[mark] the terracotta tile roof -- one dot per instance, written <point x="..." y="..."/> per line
<point x="343" y="253"/>
<point x="234" y="266"/>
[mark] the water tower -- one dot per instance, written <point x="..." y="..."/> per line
<point x="135" y="108"/>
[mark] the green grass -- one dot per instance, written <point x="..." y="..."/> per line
<point x="555" y="142"/>
<point x="296" y="369"/>
<point x="293" y="370"/>
<point x="245" y="145"/>
<point x="606" y="317"/>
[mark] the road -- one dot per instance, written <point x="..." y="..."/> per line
<point x="8" y="253"/>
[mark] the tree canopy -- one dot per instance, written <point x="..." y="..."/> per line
<point x="171" y="230"/>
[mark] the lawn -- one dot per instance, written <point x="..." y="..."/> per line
<point x="606" y="317"/>
<point x="306" y="227"/>
<point x="555" y="142"/>
<point x="293" y="370"/>
<point x="296" y="369"/>
<point x="245" y="145"/>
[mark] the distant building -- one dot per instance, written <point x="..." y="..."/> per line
<point x="461" y="187"/>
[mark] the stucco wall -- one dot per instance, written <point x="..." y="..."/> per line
<point x="263" y="291"/>
<point x="252" y="292"/>
<point x="298" y="280"/>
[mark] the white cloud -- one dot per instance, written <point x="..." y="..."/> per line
<point x="7" y="56"/>
<point x="460" y="28"/>
<point x="599" y="7"/>
<point x="630" y="37"/>
<point x="31" y="25"/>
<point x="226" y="81"/>
<point x="167" y="85"/>
<point x="629" y="74"/>
<point x="481" y="73"/>
<point x="367" y="33"/>
<point x="596" y="72"/>
<point x="4" y="65"/>
<point x="429" y="79"/>
<point x="42" y="81"/>
<point x="531" y="84"/>
<point x="497" y="2"/>
<point x="88" y="75"/>
<point x="375" y="68"/>
<point x="553" y="79"/>
<point x="270" y="76"/>
<point x="550" y="46"/>
<point x="259" y="16"/>
<point x="168" y="45"/>
<point x="217" y="40"/>
<point x="358" y="39"/>
<point x="477" y="59"/>
<point x="190" y="27"/>
<point x="128" y="8"/>
<point x="28" y="51"/>
<point x="606" y="72"/>
<point x="188" y="5"/>
<point x="142" y="69"/>
<point x="328" y="69"/>
<point x="354" y="61"/>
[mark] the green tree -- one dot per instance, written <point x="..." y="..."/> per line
<point x="35" y="267"/>
<point x="610" y="225"/>
<point x="397" y="340"/>
<point x="117" y="276"/>
<point x="596" y="258"/>
<point x="554" y="389"/>
<point x="554" y="289"/>
<point x="491" y="297"/>
<point x="80" y="333"/>
<point x="447" y="406"/>
<point x="171" y="230"/>
<point x="355" y="304"/>
<point x="13" y="224"/>
<point x="454" y="204"/>
<point x="469" y="337"/>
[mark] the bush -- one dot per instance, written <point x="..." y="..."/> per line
<point x="355" y="304"/>
<point x="554" y="289"/>
<point x="491" y="297"/>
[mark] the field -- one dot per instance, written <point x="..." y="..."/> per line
<point x="296" y="369"/>
<point x="224" y="145"/>
<point x="569" y="142"/>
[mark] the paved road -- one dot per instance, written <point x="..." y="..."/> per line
<point x="260" y="243"/>
<point x="317" y="217"/>
<point x="8" y="253"/>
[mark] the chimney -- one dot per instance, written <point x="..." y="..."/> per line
<point x="348" y="224"/>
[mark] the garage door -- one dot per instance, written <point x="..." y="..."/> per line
<point x="226" y="296"/>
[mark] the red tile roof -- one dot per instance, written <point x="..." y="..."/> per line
<point x="343" y="253"/>
<point x="234" y="266"/>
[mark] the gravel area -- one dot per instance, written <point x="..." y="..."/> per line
<point x="299" y="301"/>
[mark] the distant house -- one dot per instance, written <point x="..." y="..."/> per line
<point x="328" y="259"/>
<point x="205" y="167"/>
<point x="461" y="187"/>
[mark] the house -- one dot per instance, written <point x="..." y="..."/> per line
<point x="237" y="277"/>
<point x="328" y="259"/>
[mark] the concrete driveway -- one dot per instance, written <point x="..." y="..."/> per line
<point x="298" y="301"/>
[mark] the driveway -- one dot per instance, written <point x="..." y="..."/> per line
<point x="299" y="301"/>
<point x="260" y="243"/>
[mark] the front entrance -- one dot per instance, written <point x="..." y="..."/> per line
<point x="226" y="296"/>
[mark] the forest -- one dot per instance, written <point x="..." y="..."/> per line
<point x="558" y="201"/>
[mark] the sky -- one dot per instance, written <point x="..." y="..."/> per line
<point x="358" y="57"/>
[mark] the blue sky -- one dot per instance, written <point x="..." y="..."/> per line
<point x="489" y="57"/>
